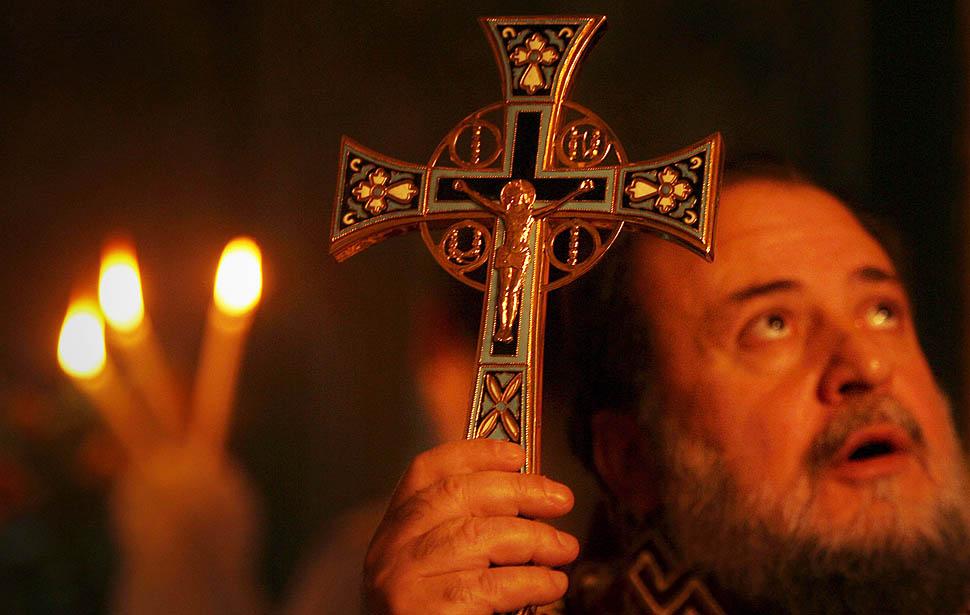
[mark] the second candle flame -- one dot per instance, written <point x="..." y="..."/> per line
<point x="239" y="278"/>
<point x="119" y="289"/>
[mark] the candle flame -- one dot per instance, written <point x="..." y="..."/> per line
<point x="239" y="278"/>
<point x="80" y="348"/>
<point x="119" y="289"/>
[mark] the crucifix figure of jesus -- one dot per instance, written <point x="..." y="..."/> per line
<point x="520" y="198"/>
<point x="514" y="208"/>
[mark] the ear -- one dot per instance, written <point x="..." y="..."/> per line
<point x="629" y="471"/>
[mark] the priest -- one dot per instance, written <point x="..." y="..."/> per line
<point x="767" y="427"/>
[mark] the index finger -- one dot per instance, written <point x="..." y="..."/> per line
<point x="453" y="458"/>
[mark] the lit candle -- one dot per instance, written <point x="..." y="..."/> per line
<point x="120" y="296"/>
<point x="238" y="287"/>
<point x="82" y="354"/>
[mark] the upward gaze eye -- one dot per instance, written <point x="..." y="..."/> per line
<point x="767" y="327"/>
<point x="882" y="315"/>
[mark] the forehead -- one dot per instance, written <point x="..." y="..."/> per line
<point x="765" y="208"/>
<point x="766" y="230"/>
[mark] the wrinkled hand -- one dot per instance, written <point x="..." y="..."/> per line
<point x="459" y="535"/>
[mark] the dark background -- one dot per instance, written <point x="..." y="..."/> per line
<point x="187" y="123"/>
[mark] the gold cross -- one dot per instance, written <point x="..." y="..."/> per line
<point x="520" y="198"/>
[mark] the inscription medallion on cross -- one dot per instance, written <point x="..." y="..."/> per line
<point x="521" y="198"/>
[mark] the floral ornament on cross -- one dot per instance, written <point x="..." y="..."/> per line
<point x="534" y="52"/>
<point x="374" y="191"/>
<point x="501" y="397"/>
<point x="671" y="191"/>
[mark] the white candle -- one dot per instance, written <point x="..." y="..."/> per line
<point x="121" y="299"/>
<point x="82" y="354"/>
<point x="238" y="288"/>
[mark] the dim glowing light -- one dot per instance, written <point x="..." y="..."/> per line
<point x="239" y="278"/>
<point x="81" y="350"/>
<point x="119" y="290"/>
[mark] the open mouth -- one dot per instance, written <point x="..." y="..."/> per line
<point x="874" y="452"/>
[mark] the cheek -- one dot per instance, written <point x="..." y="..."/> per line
<point x="918" y="392"/>
<point x="761" y="424"/>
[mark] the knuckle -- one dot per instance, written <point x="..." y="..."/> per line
<point x="488" y="584"/>
<point x="472" y="530"/>
<point x="548" y="578"/>
<point x="425" y="546"/>
<point x="411" y="511"/>
<point x="451" y="540"/>
<point x="523" y="486"/>
<point x="459" y="592"/>
<point x="538" y="483"/>
<point x="548" y="532"/>
<point x="545" y="488"/>
<point x="419" y="468"/>
<point x="537" y="533"/>
<point x="452" y="489"/>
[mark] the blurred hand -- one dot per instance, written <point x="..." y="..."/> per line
<point x="187" y="526"/>
<point x="459" y="534"/>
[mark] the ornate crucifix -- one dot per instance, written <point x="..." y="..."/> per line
<point x="519" y="199"/>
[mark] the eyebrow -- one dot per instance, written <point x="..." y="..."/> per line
<point x="757" y="290"/>
<point x="866" y="274"/>
<point x="875" y="274"/>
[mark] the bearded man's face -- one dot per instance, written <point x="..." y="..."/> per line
<point x="881" y="566"/>
<point x="811" y="455"/>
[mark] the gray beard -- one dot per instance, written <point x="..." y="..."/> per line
<point x="765" y="569"/>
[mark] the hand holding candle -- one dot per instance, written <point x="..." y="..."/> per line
<point x="184" y="514"/>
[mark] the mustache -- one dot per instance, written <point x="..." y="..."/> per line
<point x="857" y="414"/>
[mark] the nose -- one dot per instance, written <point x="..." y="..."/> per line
<point x="858" y="365"/>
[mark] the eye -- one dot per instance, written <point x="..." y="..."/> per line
<point x="883" y="315"/>
<point x="767" y="327"/>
